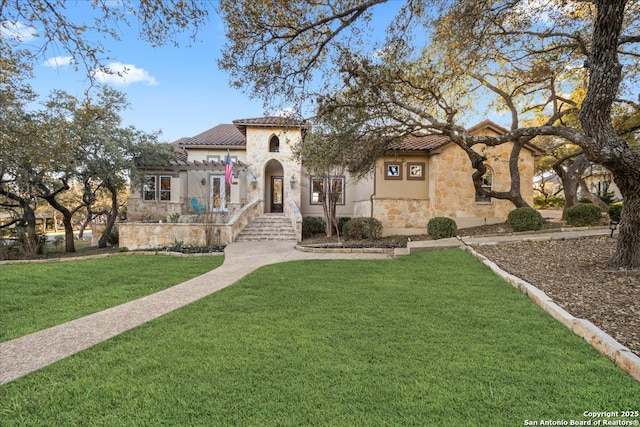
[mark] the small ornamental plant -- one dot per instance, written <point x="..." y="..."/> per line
<point x="584" y="215"/>
<point x="441" y="228"/>
<point x="362" y="228"/>
<point x="312" y="225"/>
<point x="525" y="219"/>
<point x="615" y="211"/>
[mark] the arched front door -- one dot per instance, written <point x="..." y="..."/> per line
<point x="274" y="187"/>
<point x="277" y="193"/>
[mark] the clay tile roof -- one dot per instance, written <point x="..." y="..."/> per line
<point x="222" y="135"/>
<point x="270" y="121"/>
<point x="421" y="143"/>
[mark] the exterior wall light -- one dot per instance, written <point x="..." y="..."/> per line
<point x="203" y="181"/>
<point x="612" y="226"/>
<point x="292" y="181"/>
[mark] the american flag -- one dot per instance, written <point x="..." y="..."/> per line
<point x="228" y="170"/>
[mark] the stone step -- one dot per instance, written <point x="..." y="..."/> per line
<point x="268" y="227"/>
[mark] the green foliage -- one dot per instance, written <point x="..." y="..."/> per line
<point x="312" y="225"/>
<point x="608" y="197"/>
<point x="362" y="228"/>
<point x="29" y="291"/>
<point x="114" y="237"/>
<point x="442" y="228"/>
<point x="615" y="211"/>
<point x="584" y="214"/>
<point x="342" y="221"/>
<point x="541" y="202"/>
<point x="525" y="219"/>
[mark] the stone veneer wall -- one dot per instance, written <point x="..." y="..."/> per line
<point x="140" y="235"/>
<point x="137" y="210"/>
<point x="402" y="212"/>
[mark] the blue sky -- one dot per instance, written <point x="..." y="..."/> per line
<point x="176" y="90"/>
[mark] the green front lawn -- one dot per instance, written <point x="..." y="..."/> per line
<point x="431" y="339"/>
<point x="38" y="296"/>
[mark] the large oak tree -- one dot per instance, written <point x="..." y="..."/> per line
<point x="443" y="59"/>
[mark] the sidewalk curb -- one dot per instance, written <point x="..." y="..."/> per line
<point x="624" y="358"/>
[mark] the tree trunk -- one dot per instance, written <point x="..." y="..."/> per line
<point x="113" y="215"/>
<point x="570" y="177"/>
<point x="590" y="196"/>
<point x="27" y="234"/>
<point x="69" y="244"/>
<point x="602" y="144"/>
<point x="627" y="253"/>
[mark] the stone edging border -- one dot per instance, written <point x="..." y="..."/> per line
<point x="341" y="250"/>
<point x="624" y="358"/>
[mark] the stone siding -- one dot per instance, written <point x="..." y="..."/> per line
<point x="140" y="235"/>
<point x="402" y="212"/>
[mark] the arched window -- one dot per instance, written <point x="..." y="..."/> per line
<point x="274" y="144"/>
<point x="487" y="185"/>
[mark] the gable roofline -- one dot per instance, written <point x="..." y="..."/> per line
<point x="430" y="142"/>
<point x="222" y="136"/>
<point x="270" y="121"/>
<point x="488" y="124"/>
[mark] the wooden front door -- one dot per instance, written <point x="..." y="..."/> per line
<point x="277" y="194"/>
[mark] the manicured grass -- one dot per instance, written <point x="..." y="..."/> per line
<point x="38" y="296"/>
<point x="428" y="340"/>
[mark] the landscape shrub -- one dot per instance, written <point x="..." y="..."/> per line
<point x="114" y="237"/>
<point x="525" y="219"/>
<point x="615" y="210"/>
<point x="584" y="214"/>
<point x="441" y="227"/>
<point x="541" y="202"/>
<point x="362" y="228"/>
<point x="312" y="225"/>
<point x="342" y="221"/>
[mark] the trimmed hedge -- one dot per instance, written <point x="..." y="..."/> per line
<point x="584" y="214"/>
<point x="441" y="227"/>
<point x="615" y="211"/>
<point x="312" y="225"/>
<point x="525" y="219"/>
<point x="362" y="228"/>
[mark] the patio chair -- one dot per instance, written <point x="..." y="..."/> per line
<point x="197" y="206"/>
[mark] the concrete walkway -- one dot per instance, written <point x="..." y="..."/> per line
<point x="26" y="354"/>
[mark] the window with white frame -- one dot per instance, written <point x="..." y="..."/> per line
<point x="487" y="185"/>
<point x="336" y="188"/>
<point x="156" y="187"/>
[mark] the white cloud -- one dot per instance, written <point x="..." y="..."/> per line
<point x="544" y="11"/>
<point x="120" y="74"/>
<point x="18" y="31"/>
<point x="58" y="61"/>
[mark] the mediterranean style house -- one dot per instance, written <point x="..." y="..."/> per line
<point x="190" y="199"/>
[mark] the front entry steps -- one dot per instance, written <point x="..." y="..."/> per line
<point x="268" y="227"/>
